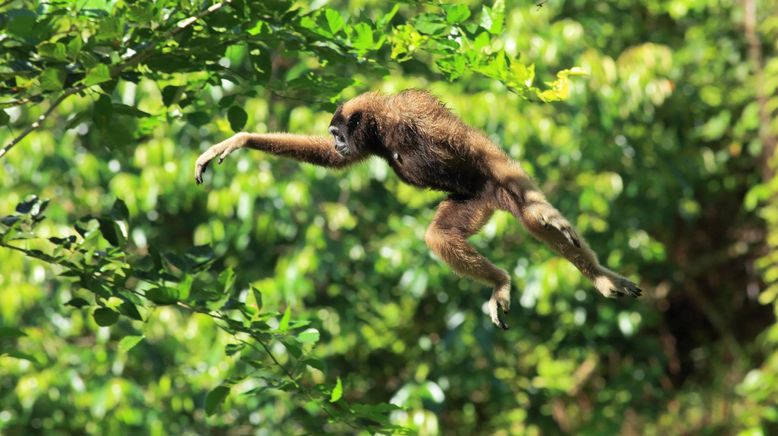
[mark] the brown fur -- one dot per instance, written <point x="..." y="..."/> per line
<point x="429" y="147"/>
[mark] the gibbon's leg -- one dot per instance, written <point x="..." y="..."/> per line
<point x="317" y="150"/>
<point x="524" y="200"/>
<point x="456" y="220"/>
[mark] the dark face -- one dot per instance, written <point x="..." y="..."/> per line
<point x="349" y="131"/>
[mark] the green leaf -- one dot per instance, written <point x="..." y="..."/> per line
<point x="337" y="391"/>
<point x="315" y="363"/>
<point x="111" y="231"/>
<point x="102" y="111"/>
<point x="4" y="118"/>
<point x="364" y="37"/>
<point x="162" y="295"/>
<point x="227" y="279"/>
<point x="11" y="332"/>
<point x="19" y="355"/>
<point x="429" y="24"/>
<point x="284" y="324"/>
<point x="215" y="398"/>
<point x="492" y="19"/>
<point x="198" y="118"/>
<point x="21" y="24"/>
<point x="381" y="22"/>
<point x="10" y="220"/>
<point x="128" y="342"/>
<point x="74" y="46"/>
<point x="185" y="287"/>
<point x="456" y="13"/>
<point x="105" y="317"/>
<point x="111" y="28"/>
<point x="26" y="206"/>
<point x="119" y="210"/>
<point x="309" y="336"/>
<point x="237" y="117"/>
<point x="52" y="79"/>
<point x="170" y="94"/>
<point x="77" y="303"/>
<point x="123" y="109"/>
<point x="98" y="74"/>
<point x="53" y="50"/>
<point x="334" y="20"/>
<point x="257" y="297"/>
<point x="128" y="309"/>
<point x="232" y="349"/>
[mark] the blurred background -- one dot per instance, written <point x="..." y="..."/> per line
<point x="659" y="145"/>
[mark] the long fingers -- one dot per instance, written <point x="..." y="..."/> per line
<point x="200" y="166"/>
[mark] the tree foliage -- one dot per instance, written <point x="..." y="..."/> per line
<point x="287" y="298"/>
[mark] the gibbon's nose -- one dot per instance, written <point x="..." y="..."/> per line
<point x="334" y="131"/>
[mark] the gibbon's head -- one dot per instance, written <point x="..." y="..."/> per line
<point x="354" y="125"/>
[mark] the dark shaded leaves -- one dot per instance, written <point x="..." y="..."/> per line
<point x="215" y="398"/>
<point x="105" y="317"/>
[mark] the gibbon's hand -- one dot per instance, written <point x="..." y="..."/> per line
<point x="220" y="150"/>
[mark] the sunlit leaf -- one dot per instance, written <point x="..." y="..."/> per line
<point x="98" y="74"/>
<point x="309" y="336"/>
<point x="128" y="342"/>
<point x="337" y="391"/>
<point x="284" y="323"/>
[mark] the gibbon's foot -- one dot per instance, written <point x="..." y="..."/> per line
<point x="220" y="150"/>
<point x="500" y="300"/>
<point x="612" y="285"/>
<point x="559" y="223"/>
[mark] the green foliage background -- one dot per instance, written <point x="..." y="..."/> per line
<point x="281" y="297"/>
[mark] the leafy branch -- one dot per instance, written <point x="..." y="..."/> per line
<point x="459" y="40"/>
<point x="114" y="72"/>
<point x="98" y="256"/>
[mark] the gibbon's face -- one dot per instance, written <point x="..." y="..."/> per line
<point x="348" y="129"/>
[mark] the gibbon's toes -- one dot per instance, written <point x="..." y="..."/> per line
<point x="495" y="306"/>
<point x="614" y="286"/>
<point x="632" y="289"/>
<point x="199" y="170"/>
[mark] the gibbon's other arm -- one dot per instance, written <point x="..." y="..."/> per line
<point x="317" y="150"/>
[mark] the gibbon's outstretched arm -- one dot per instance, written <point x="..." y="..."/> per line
<point x="317" y="150"/>
<point x="427" y="146"/>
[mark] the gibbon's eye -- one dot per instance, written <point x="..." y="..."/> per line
<point x="353" y="121"/>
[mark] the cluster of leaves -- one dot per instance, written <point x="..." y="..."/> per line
<point x="651" y="155"/>
<point x="115" y="284"/>
<point x="63" y="48"/>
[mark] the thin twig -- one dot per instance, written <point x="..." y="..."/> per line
<point x="21" y="101"/>
<point x="40" y="119"/>
<point x="115" y="71"/>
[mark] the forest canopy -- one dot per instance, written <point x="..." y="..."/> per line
<point x="285" y="298"/>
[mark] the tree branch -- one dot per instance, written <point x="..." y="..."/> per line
<point x="115" y="71"/>
<point x="766" y="136"/>
<point x="40" y="119"/>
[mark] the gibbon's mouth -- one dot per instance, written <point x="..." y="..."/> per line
<point x="342" y="148"/>
<point x="340" y="141"/>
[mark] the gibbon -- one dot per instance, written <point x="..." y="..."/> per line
<point x="429" y="147"/>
